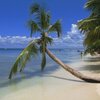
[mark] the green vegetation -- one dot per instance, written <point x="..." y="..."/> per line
<point x="90" y="27"/>
<point x="42" y="24"/>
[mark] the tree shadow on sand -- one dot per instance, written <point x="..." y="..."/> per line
<point x="94" y="65"/>
<point x="36" y="73"/>
<point x="92" y="59"/>
<point x="66" y="79"/>
<point x="49" y="70"/>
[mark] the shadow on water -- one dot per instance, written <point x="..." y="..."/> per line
<point x="49" y="70"/>
<point x="29" y="75"/>
<point x="37" y="73"/>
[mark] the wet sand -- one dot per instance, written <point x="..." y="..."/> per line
<point x="61" y="85"/>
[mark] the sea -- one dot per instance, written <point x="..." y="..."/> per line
<point x="32" y="74"/>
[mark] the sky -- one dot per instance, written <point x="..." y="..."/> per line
<point x="14" y="15"/>
<point x="73" y="38"/>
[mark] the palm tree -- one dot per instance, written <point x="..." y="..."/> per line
<point x="91" y="25"/>
<point x="94" y="48"/>
<point x="94" y="7"/>
<point x="43" y="25"/>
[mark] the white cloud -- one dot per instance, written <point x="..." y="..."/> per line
<point x="73" y="38"/>
<point x="74" y="35"/>
<point x="14" y="39"/>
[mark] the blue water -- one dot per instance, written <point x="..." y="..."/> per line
<point x="32" y="69"/>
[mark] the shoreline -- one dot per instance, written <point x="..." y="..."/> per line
<point x="61" y="85"/>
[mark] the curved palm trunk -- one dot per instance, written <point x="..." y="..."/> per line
<point x="73" y="71"/>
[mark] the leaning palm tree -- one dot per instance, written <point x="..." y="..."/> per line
<point x="41" y="23"/>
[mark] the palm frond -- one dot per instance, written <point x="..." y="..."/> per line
<point x="35" y="8"/>
<point x="90" y="38"/>
<point x="36" y="11"/>
<point x="48" y="40"/>
<point x="88" y="24"/>
<point x="56" y="28"/>
<point x="91" y="3"/>
<point x="48" y="18"/>
<point x="22" y="59"/>
<point x="97" y="44"/>
<point x="41" y="16"/>
<point x="45" y="19"/>
<point x="97" y="32"/>
<point x="90" y="50"/>
<point x="93" y="48"/>
<point x="94" y="6"/>
<point x="33" y="26"/>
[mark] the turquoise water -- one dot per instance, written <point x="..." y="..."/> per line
<point x="32" y="73"/>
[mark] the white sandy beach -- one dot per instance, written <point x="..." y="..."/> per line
<point x="60" y="85"/>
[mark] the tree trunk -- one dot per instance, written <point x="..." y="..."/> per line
<point x="73" y="71"/>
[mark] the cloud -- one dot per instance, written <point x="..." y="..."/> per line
<point x="13" y="41"/>
<point x="74" y="35"/>
<point x="72" y="38"/>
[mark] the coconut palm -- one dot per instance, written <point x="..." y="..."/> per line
<point x="91" y="25"/>
<point x="94" y="48"/>
<point x="91" y="29"/>
<point x="42" y="24"/>
<point x="94" y="7"/>
<point x="39" y="24"/>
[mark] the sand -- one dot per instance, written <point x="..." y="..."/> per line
<point x="60" y="85"/>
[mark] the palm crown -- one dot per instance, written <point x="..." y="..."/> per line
<point x="40" y="23"/>
<point x="91" y="25"/>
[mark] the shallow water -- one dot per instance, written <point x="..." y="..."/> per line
<point x="32" y="75"/>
